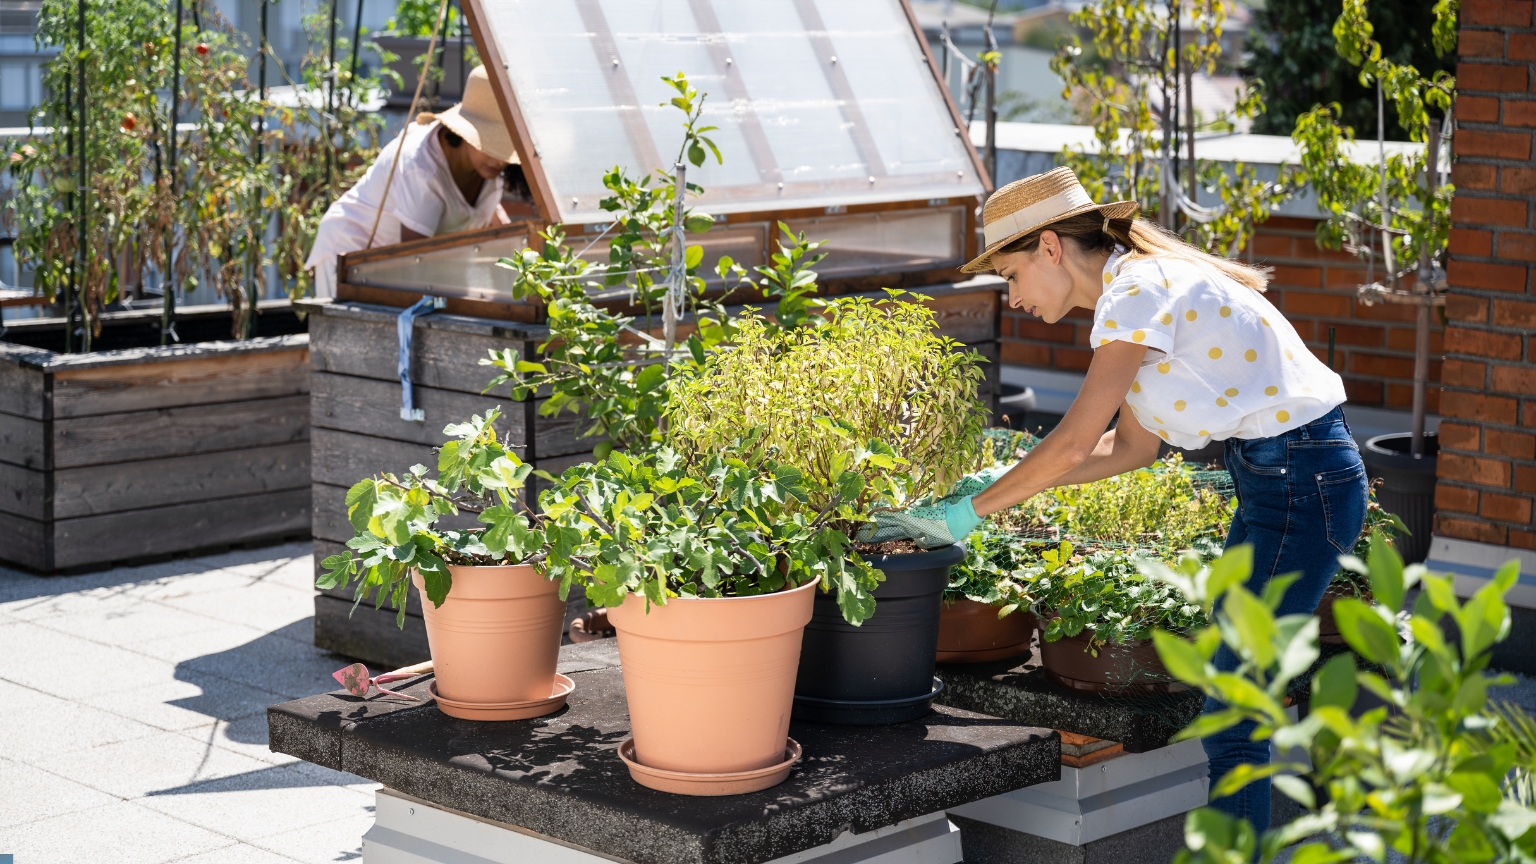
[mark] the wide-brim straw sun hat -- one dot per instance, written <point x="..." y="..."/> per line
<point x="1033" y="203"/>
<point x="477" y="119"/>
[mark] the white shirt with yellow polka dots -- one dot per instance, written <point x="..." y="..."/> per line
<point x="1221" y="361"/>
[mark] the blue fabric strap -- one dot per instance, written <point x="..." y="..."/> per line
<point x="405" y="324"/>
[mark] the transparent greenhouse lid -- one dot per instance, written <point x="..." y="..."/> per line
<point x="820" y="103"/>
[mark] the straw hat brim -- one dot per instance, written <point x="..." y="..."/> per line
<point x="1112" y="210"/>
<point x="488" y="135"/>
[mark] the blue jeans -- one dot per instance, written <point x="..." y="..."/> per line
<point x="1301" y="504"/>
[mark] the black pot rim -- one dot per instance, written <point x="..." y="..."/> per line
<point x="874" y="704"/>
<point x="1377" y="452"/>
<point x="944" y="556"/>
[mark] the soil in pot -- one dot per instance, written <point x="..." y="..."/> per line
<point x="1408" y="487"/>
<point x="971" y="632"/>
<point x="1118" y="668"/>
<point x="710" y="683"/>
<point x="496" y="638"/>
<point x="881" y="671"/>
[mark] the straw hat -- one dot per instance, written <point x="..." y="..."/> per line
<point x="1035" y="202"/>
<point x="477" y="119"/>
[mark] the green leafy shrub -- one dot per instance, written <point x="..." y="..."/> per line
<point x="1103" y="591"/>
<point x="396" y="520"/>
<point x="870" y="372"/>
<point x="660" y="526"/>
<point x="1162" y="507"/>
<point x="1426" y="775"/>
<point x="991" y="571"/>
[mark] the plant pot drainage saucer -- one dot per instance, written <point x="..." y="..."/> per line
<point x="859" y="712"/>
<point x="686" y="783"/>
<point x="506" y="710"/>
<point x="1115" y="689"/>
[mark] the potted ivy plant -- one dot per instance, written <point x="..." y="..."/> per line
<point x="857" y="370"/>
<point x="708" y="569"/>
<point x="986" y="615"/>
<point x="493" y="620"/>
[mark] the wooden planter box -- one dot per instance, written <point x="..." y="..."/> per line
<point x="136" y="453"/>
<point x="357" y="430"/>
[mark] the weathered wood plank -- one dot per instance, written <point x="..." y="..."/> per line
<point x="343" y="458"/>
<point x="971" y="317"/>
<point x="162" y="530"/>
<point x="444" y="357"/>
<point x="330" y="519"/>
<point x="369" y="635"/>
<point x="22" y="441"/>
<point x="21" y="381"/>
<point x="23" y="541"/>
<point x="325" y="549"/>
<point x="21" y="492"/>
<point x="171" y="383"/>
<point x="167" y="432"/>
<point x="112" y="488"/>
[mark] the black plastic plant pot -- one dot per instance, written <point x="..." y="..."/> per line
<point x="881" y="671"/>
<point x="1408" y="486"/>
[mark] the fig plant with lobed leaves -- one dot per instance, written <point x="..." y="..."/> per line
<point x="1426" y="776"/>
<point x="398" y="520"/>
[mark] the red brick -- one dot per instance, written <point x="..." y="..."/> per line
<point x="1471" y="529"/>
<point x="1478" y="43"/>
<point x="1306" y="277"/>
<point x="1516" y="444"/>
<point x="1460" y="307"/>
<point x="1491" y="76"/>
<point x="1385" y="366"/>
<point x="1078" y="313"/>
<point x="1356" y="334"/>
<point x="1029" y="328"/>
<point x="1514" y="313"/>
<point x="1471" y="242"/>
<point x="1521" y="247"/>
<point x="1026" y="353"/>
<point x="1401" y="396"/>
<point x="1271" y="245"/>
<point x="1525" y="478"/>
<point x="1404" y="339"/>
<point x="1488" y="211"/>
<point x="1467" y="175"/>
<point x="1507" y="508"/>
<point x="1075" y="359"/>
<point x="1522" y="46"/>
<point x="1401" y="312"/>
<point x="1474" y="469"/>
<point x="1478" y="406"/>
<point x="1517" y="113"/>
<point x="1305" y="329"/>
<point x="1458" y="498"/>
<point x="1478" y="109"/>
<point x="1522" y="539"/>
<point x="1460" y="436"/>
<point x="1498" y="13"/>
<point x="1514" y="379"/>
<point x="1519" y="181"/>
<point x="1463" y="373"/>
<point x="1530" y="413"/>
<point x="1362" y="392"/>
<point x="1344" y="278"/>
<point x="1482" y="343"/>
<point x="1494" y="277"/>
<point x="1495" y="145"/>
<point x="1306" y="303"/>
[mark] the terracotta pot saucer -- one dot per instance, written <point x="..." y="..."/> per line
<point x="506" y="710"/>
<point x="685" y="783"/>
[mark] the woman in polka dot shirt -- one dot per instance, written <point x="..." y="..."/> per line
<point x="1187" y="351"/>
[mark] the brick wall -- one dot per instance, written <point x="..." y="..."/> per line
<point x="1314" y="288"/>
<point x="1487" y="473"/>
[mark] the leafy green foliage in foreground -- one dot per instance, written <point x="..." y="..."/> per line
<point x="730" y="526"/>
<point x="1426" y="776"/>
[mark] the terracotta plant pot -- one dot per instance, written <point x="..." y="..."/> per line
<point x="1132" y="668"/>
<point x="710" y="683"/>
<point x="496" y="638"/>
<point x="971" y="632"/>
<point x="1328" y="627"/>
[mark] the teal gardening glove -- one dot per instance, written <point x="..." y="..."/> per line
<point x="932" y="524"/>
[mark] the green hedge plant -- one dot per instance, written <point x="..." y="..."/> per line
<point x="1103" y="592"/>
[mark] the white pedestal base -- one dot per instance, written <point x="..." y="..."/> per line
<point x="408" y="830"/>
<point x="1101" y="800"/>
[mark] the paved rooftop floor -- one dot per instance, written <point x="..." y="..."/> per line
<point x="133" y="716"/>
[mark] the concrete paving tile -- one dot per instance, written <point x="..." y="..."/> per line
<point x="257" y="605"/>
<point x="34" y="725"/>
<point x="181" y="647"/>
<point x="251" y="806"/>
<point x="247" y="736"/>
<point x="195" y="699"/>
<point x="239" y="853"/>
<point x="69" y="666"/>
<point x="130" y="625"/>
<point x="341" y="840"/>
<point x="30" y="794"/>
<point x="123" y="833"/>
<point x="165" y="761"/>
<point x="273" y="661"/>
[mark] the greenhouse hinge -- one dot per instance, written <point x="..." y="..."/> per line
<point x="406" y="323"/>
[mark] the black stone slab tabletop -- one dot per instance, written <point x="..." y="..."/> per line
<point x="561" y="775"/>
